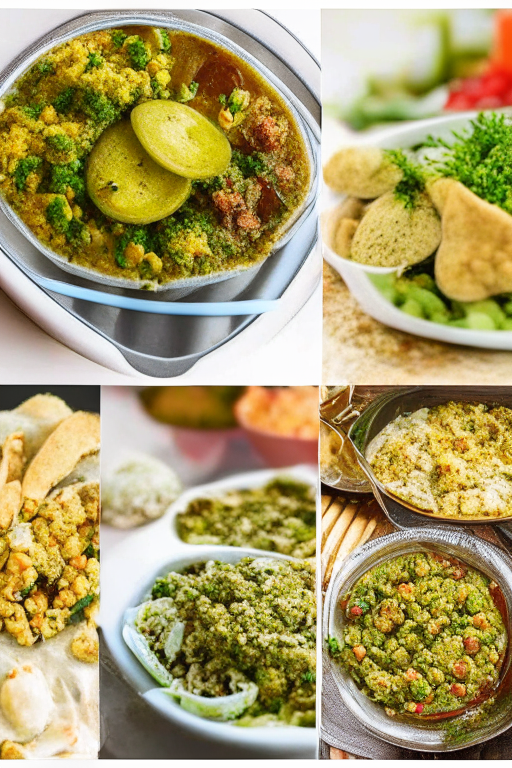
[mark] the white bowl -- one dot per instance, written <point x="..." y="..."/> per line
<point x="356" y="276"/>
<point x="129" y="570"/>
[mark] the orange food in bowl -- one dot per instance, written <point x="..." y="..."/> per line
<point x="285" y="411"/>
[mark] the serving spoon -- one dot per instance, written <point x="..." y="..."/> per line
<point x="339" y="467"/>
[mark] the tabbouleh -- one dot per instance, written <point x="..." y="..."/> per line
<point x="453" y="460"/>
<point x="253" y="622"/>
<point x="424" y="635"/>
<point x="279" y="517"/>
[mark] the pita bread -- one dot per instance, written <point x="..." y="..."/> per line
<point x="47" y="407"/>
<point x="13" y="458"/>
<point x="10" y="503"/>
<point x="363" y="172"/>
<point x="474" y="260"/>
<point x="76" y="437"/>
<point x="391" y="235"/>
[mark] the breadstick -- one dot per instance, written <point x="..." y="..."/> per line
<point x="326" y="503"/>
<point x="372" y="524"/>
<point x="336" y="535"/>
<point x="351" y="539"/>
<point x="331" y="516"/>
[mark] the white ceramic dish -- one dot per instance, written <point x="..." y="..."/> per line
<point x="129" y="570"/>
<point x="356" y="276"/>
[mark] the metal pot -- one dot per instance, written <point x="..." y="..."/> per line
<point x="91" y="22"/>
<point x="385" y="409"/>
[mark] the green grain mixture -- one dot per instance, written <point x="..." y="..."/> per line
<point x="424" y="635"/>
<point x="249" y="624"/>
<point x="453" y="460"/>
<point x="279" y="517"/>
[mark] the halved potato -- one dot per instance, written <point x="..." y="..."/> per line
<point x="181" y="139"/>
<point x="125" y="182"/>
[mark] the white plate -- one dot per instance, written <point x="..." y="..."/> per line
<point x="356" y="276"/>
<point x="129" y="570"/>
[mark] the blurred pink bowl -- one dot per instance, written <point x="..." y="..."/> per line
<point x="278" y="450"/>
<point x="204" y="444"/>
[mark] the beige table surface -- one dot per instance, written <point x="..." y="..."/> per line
<point x="359" y="350"/>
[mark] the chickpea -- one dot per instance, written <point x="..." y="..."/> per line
<point x="359" y="652"/>
<point x="471" y="645"/>
<point x="460" y="670"/>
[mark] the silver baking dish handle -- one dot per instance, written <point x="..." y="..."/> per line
<point x="193" y="309"/>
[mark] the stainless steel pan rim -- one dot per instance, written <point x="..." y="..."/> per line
<point x="405" y="400"/>
<point x="402" y="730"/>
<point x="93" y="21"/>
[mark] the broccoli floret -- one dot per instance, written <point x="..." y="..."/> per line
<point x="33" y="110"/>
<point x="64" y="101"/>
<point x="420" y="689"/>
<point x="333" y="646"/>
<point x="208" y="185"/>
<point x="98" y="107"/>
<point x="44" y="67"/>
<point x="249" y="165"/>
<point x="223" y="99"/>
<point x="77" y="232"/>
<point x="135" y="235"/>
<point x="95" y="60"/>
<point x="24" y="168"/>
<point x="69" y="175"/>
<point x="187" y="92"/>
<point x="165" y="43"/>
<point x="137" y="52"/>
<point x="161" y="589"/>
<point x="56" y="214"/>
<point x="158" y="91"/>
<point x="118" y="37"/>
<point x="238" y="100"/>
<point x="60" y="142"/>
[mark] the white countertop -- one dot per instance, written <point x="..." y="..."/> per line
<point x="29" y="355"/>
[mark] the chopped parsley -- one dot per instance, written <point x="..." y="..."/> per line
<point x="333" y="646"/>
<point x="481" y="158"/>
<point x="412" y="183"/>
<point x="249" y="165"/>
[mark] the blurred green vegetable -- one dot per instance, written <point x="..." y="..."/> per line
<point x="416" y="294"/>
